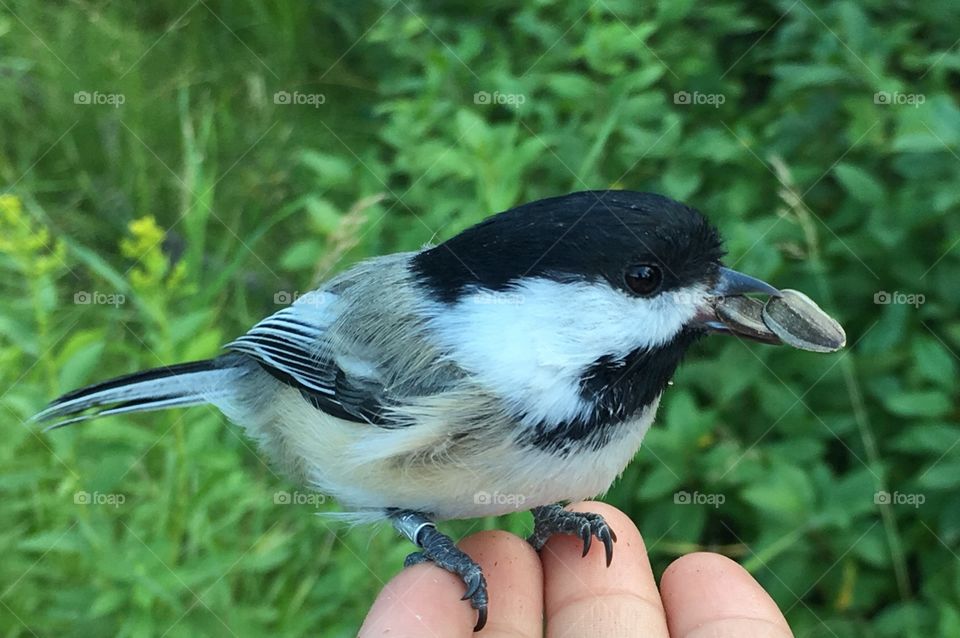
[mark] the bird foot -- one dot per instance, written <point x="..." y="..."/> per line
<point x="439" y="549"/>
<point x="554" y="519"/>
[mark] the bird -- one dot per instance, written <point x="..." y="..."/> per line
<point x="515" y="366"/>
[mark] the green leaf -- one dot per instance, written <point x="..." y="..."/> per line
<point x="942" y="474"/>
<point x="934" y="361"/>
<point x="330" y="169"/>
<point x="303" y="255"/>
<point x="848" y="497"/>
<point x="80" y="356"/>
<point x="786" y="493"/>
<point x="571" y="86"/>
<point x="682" y="179"/>
<point x="661" y="482"/>
<point x="930" y="126"/>
<point x="794" y="77"/>
<point x="473" y="129"/>
<point x="928" y="403"/>
<point x="927" y="438"/>
<point x="861" y="185"/>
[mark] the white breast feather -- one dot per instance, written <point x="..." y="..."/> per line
<point x="531" y="344"/>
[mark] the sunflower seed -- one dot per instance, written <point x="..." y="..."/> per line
<point x="799" y="322"/>
<point x="744" y="315"/>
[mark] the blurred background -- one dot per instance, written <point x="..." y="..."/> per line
<point x="171" y="172"/>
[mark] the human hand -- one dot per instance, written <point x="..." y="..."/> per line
<point x="560" y="593"/>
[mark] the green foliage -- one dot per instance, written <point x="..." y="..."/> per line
<point x="821" y="137"/>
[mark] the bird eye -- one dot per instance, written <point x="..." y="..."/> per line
<point x="643" y="279"/>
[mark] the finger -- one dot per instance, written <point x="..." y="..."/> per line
<point x="514" y="583"/>
<point x="710" y="595"/>
<point x="421" y="601"/>
<point x="424" y="600"/>
<point x="583" y="597"/>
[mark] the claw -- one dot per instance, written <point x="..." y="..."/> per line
<point x="477" y="595"/>
<point x="473" y="585"/>
<point x="586" y="534"/>
<point x="481" y="619"/>
<point x="414" y="559"/>
<point x="606" y="535"/>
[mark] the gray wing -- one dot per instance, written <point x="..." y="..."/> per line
<point x="293" y="345"/>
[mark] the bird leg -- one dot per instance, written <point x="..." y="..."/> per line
<point x="554" y="519"/>
<point x="439" y="549"/>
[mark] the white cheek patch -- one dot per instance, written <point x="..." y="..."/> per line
<point x="532" y="343"/>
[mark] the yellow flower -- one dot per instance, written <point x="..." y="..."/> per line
<point x="11" y="208"/>
<point x="152" y="268"/>
<point x="30" y="248"/>
<point x="145" y="236"/>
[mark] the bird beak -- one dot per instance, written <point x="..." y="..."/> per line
<point x="733" y="283"/>
<point x="740" y="315"/>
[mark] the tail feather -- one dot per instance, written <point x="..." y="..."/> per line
<point x="174" y="386"/>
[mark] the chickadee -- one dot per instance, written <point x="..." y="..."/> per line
<point x="525" y="356"/>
